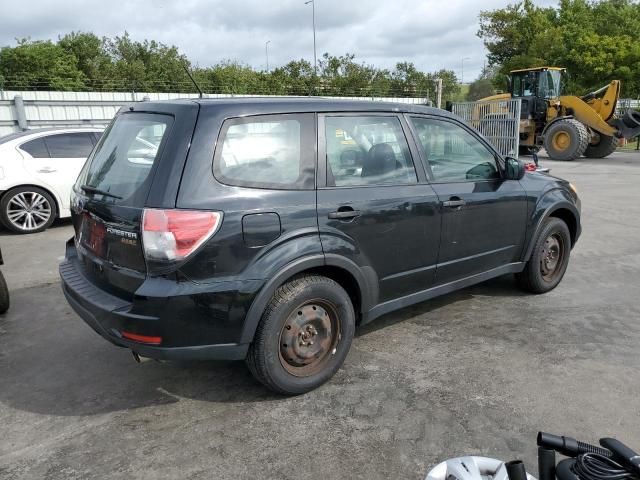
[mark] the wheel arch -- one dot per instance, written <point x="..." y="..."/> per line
<point x="566" y="212"/>
<point x="343" y="271"/>
<point x="33" y="185"/>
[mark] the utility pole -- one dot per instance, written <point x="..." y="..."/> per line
<point x="462" y="72"/>
<point x="439" y="92"/>
<point x="313" y="13"/>
<point x="266" y="50"/>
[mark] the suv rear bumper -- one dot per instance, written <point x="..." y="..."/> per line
<point x="109" y="315"/>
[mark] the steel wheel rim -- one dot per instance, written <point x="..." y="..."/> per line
<point x="552" y="257"/>
<point x="28" y="211"/>
<point x="561" y="140"/>
<point x="309" y="338"/>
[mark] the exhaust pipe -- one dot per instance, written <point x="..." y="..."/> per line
<point x="138" y="358"/>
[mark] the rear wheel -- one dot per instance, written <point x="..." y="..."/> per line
<point x="304" y="335"/>
<point x="27" y="210"/>
<point x="549" y="259"/>
<point x="566" y="140"/>
<point x="603" y="146"/>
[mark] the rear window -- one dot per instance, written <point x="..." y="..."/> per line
<point x="268" y="151"/>
<point x="123" y="159"/>
<point x="69" y="145"/>
<point x="36" y="148"/>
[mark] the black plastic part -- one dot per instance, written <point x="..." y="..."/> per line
<point x="516" y="470"/>
<point x="546" y="464"/>
<point x="569" y="446"/>
<point x="564" y="470"/>
<point x="623" y="454"/>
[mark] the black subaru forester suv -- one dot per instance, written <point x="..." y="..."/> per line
<point x="266" y="230"/>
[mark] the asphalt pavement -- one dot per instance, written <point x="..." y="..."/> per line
<point x="478" y="371"/>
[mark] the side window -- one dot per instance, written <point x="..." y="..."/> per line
<point x="36" y="148"/>
<point x="453" y="153"/>
<point x="367" y="150"/>
<point x="69" y="145"/>
<point x="267" y="151"/>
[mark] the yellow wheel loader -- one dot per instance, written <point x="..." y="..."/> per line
<point x="565" y="125"/>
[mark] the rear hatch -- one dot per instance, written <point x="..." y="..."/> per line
<point x="140" y="153"/>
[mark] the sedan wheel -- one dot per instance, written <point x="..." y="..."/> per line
<point x="27" y="210"/>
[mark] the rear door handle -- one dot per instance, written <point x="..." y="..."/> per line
<point x="46" y="170"/>
<point x="344" y="214"/>
<point x="454" y="202"/>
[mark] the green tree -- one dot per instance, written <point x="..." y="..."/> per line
<point x="82" y="60"/>
<point x="596" y="41"/>
<point x="40" y="64"/>
<point x="147" y="65"/>
<point x="92" y="57"/>
<point x="480" y="88"/>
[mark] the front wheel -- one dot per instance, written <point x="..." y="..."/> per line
<point x="304" y="335"/>
<point x="549" y="259"/>
<point x="566" y="139"/>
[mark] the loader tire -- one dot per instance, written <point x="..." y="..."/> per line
<point x="566" y="140"/>
<point x="603" y="147"/>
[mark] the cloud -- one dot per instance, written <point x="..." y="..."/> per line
<point x="431" y="33"/>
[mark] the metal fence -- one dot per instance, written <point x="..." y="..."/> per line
<point x="625" y="104"/>
<point x="497" y="120"/>
<point x="22" y="110"/>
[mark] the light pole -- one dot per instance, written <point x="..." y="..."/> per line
<point x="315" y="58"/>
<point x="462" y="73"/>
<point x="266" y="51"/>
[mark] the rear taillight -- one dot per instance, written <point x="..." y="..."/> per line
<point x="174" y="234"/>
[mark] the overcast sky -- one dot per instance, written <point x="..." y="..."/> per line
<point x="433" y="34"/>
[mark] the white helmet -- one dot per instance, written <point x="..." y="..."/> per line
<point x="471" y="468"/>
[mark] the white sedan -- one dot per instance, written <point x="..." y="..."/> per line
<point x="37" y="170"/>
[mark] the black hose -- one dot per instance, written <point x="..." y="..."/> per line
<point x="569" y="446"/>
<point x="516" y="470"/>
<point x="546" y="464"/>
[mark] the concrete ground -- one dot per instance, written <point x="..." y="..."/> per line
<point x="476" y="372"/>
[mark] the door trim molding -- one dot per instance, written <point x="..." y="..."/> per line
<point x="430" y="293"/>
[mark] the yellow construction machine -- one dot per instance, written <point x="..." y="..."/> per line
<point x="567" y="126"/>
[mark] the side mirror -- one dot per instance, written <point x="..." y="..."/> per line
<point x="513" y="168"/>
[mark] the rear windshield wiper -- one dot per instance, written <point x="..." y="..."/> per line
<point x="90" y="189"/>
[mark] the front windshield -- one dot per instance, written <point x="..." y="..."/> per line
<point x="550" y="83"/>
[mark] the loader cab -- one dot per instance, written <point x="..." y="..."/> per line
<point x="536" y="87"/>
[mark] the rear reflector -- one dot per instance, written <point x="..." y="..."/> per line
<point x="175" y="234"/>
<point x="142" y="338"/>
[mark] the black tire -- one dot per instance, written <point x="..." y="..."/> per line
<point x="266" y="358"/>
<point x="566" y="140"/>
<point x="4" y="295"/>
<point x="533" y="278"/>
<point x="604" y="147"/>
<point x="8" y="203"/>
